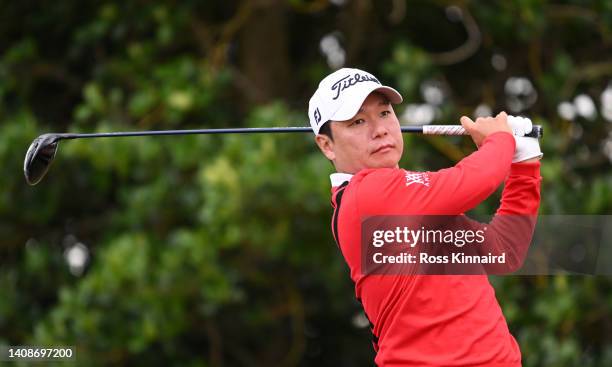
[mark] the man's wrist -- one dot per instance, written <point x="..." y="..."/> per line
<point x="531" y="160"/>
<point x="526" y="168"/>
<point x="500" y="135"/>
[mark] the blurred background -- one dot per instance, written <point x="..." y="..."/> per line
<point x="217" y="250"/>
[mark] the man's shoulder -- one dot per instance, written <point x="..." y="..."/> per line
<point x="377" y="173"/>
<point x="379" y="177"/>
<point x="386" y="190"/>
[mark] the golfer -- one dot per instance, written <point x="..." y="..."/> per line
<point x="420" y="320"/>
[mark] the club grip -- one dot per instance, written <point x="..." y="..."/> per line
<point x="536" y="131"/>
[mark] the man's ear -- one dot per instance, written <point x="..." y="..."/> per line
<point x="326" y="145"/>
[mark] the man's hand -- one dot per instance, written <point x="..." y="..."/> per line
<point x="485" y="126"/>
<point x="527" y="149"/>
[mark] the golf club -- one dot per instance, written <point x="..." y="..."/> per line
<point x="42" y="151"/>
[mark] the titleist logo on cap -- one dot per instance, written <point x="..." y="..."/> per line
<point x="348" y="81"/>
<point x="328" y="103"/>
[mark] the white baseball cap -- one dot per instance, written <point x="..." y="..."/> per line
<point x="341" y="94"/>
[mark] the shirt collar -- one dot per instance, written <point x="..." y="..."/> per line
<point x="338" y="179"/>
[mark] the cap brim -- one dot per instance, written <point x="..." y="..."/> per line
<point x="349" y="110"/>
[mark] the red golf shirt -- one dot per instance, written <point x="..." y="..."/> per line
<point x="434" y="320"/>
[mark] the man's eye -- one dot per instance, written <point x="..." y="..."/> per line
<point x="385" y="113"/>
<point x="357" y="122"/>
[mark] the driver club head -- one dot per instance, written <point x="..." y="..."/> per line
<point x="39" y="157"/>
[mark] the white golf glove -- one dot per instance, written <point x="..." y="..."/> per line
<point x="526" y="147"/>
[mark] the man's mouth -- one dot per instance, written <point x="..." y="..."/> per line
<point x="383" y="148"/>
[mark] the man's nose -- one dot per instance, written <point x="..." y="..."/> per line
<point x="379" y="128"/>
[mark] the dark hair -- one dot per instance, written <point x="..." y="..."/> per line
<point x="326" y="130"/>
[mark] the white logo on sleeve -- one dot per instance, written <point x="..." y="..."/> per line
<point x="417" y="177"/>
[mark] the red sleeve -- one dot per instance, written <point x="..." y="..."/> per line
<point x="521" y="193"/>
<point x="464" y="186"/>
<point x="511" y="230"/>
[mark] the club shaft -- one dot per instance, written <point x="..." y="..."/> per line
<point x="426" y="129"/>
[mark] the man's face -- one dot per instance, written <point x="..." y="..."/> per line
<point x="371" y="139"/>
